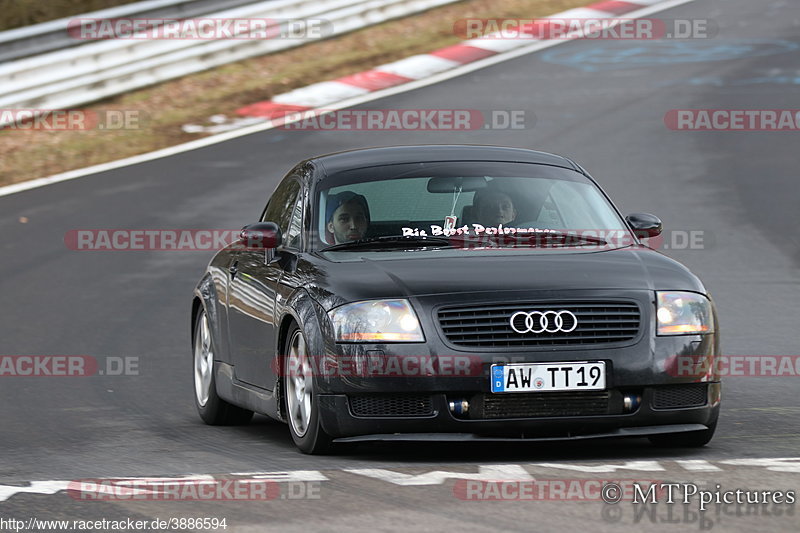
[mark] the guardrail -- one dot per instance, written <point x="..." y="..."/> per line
<point x="101" y="69"/>
<point x="52" y="35"/>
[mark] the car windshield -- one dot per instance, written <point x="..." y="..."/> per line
<point x="423" y="204"/>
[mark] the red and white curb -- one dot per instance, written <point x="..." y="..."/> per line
<point x="380" y="82"/>
<point x="400" y="72"/>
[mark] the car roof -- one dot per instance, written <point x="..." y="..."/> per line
<point x="391" y="155"/>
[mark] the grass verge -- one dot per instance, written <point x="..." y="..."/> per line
<point x="17" y="13"/>
<point x="29" y="154"/>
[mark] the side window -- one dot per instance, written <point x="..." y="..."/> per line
<point x="283" y="205"/>
<point x="293" y="238"/>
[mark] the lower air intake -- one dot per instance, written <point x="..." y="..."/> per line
<point x="545" y="404"/>
<point x="678" y="396"/>
<point x="383" y="405"/>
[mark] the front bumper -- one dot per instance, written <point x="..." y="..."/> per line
<point x="641" y="366"/>
<point x="339" y="420"/>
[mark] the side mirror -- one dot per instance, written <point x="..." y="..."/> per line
<point x="260" y="236"/>
<point x="644" y="225"/>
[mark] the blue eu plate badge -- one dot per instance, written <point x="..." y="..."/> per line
<point x="497" y="379"/>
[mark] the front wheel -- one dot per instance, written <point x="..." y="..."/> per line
<point x="300" y="399"/>
<point x="211" y="408"/>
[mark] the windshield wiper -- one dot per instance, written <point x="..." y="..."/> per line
<point x="391" y="240"/>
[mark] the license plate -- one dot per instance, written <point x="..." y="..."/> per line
<point x="547" y="377"/>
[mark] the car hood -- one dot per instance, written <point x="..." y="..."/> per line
<point x="342" y="277"/>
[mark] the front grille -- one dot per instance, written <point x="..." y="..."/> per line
<point x="489" y="326"/>
<point x="543" y="404"/>
<point x="677" y="396"/>
<point x="386" y="405"/>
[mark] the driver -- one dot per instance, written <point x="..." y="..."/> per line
<point x="347" y="216"/>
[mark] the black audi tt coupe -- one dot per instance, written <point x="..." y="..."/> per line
<point x="453" y="292"/>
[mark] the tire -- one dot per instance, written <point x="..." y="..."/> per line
<point x="302" y="411"/>
<point x="212" y="409"/>
<point x="689" y="439"/>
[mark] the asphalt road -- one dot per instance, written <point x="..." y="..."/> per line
<point x="592" y="102"/>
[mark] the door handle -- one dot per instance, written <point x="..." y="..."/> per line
<point x="234" y="269"/>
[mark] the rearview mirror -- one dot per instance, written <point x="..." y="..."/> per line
<point x="450" y="184"/>
<point x="260" y="236"/>
<point x="644" y="225"/>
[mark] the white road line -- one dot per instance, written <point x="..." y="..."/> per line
<point x="437" y="477"/>
<point x="698" y="465"/>
<point x="295" y="475"/>
<point x="503" y="472"/>
<point x="643" y="466"/>
<point x="222" y="137"/>
<point x="36" y="487"/>
<point x="773" y="464"/>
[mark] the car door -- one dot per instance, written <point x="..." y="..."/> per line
<point x="254" y="278"/>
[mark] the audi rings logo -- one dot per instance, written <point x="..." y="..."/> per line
<point x="543" y="321"/>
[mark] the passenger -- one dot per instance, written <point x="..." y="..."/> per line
<point x="347" y="217"/>
<point x="493" y="207"/>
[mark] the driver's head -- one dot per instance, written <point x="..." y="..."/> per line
<point x="347" y="216"/>
<point x="493" y="208"/>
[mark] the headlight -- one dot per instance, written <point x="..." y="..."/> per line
<point x="683" y="313"/>
<point x="376" y="321"/>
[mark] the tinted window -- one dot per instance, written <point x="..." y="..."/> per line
<point x="294" y="235"/>
<point x="282" y="204"/>
<point x="487" y="193"/>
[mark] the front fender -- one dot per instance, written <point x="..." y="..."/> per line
<point x="207" y="295"/>
<point x="302" y="309"/>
